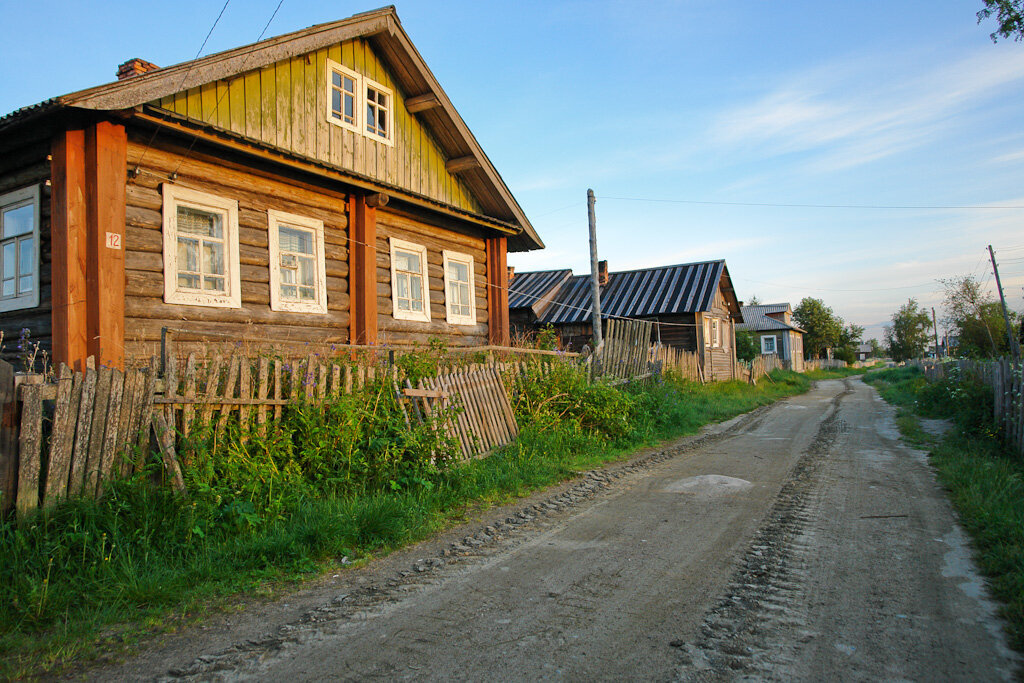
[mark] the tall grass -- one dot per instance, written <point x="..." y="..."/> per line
<point x="345" y="479"/>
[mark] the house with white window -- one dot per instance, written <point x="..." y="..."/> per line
<point x="775" y="333"/>
<point x="318" y="186"/>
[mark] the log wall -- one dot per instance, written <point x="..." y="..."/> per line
<point x="256" y="191"/>
<point x="435" y="239"/>
<point x="25" y="163"/>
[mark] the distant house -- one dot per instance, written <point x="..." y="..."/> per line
<point x="863" y="351"/>
<point x="314" y="187"/>
<point x="776" y="334"/>
<point x="693" y="305"/>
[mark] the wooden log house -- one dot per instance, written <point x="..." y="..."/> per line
<point x="693" y="305"/>
<point x="776" y="334"/>
<point x="314" y="187"/>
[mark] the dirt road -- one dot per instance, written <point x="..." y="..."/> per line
<point x="799" y="542"/>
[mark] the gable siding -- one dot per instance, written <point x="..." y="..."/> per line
<point x="285" y="105"/>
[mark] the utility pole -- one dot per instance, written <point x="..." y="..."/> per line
<point x="935" y="329"/>
<point x="1014" y="349"/>
<point x="595" y="284"/>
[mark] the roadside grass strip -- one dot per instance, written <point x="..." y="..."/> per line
<point x="985" y="482"/>
<point x="85" y="579"/>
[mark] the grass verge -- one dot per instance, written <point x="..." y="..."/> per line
<point x="84" y="578"/>
<point x="985" y="482"/>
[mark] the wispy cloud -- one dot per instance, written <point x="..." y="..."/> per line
<point x="859" y="113"/>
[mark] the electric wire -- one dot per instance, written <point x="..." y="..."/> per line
<point x="812" y="206"/>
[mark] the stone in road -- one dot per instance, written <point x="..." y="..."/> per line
<point x="800" y="542"/>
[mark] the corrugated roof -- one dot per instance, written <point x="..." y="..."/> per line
<point x="526" y="289"/>
<point x="668" y="290"/>
<point x="756" y="318"/>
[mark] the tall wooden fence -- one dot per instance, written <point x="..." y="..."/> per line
<point x="626" y="351"/>
<point x="1003" y="377"/>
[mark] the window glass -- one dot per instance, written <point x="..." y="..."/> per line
<point x="298" y="263"/>
<point x="18" y="221"/>
<point x="409" y="286"/>
<point x="201" y="263"/>
<point x="343" y="97"/>
<point x="18" y="244"/>
<point x="377" y="108"/>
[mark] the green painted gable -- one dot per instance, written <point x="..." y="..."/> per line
<point x="285" y="105"/>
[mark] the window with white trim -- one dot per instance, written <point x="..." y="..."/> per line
<point x="298" y="279"/>
<point x="409" y="294"/>
<point x="344" y="87"/>
<point x="378" y="111"/>
<point x="360" y="104"/>
<point x="19" y="249"/>
<point x="716" y="333"/>
<point x="768" y="344"/>
<point x="459" y="286"/>
<point x="200" y="249"/>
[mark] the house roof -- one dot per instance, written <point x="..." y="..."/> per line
<point x="756" y="318"/>
<point x="384" y="31"/>
<point x="526" y="289"/>
<point x="666" y="290"/>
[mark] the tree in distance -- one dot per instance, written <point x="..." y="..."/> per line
<point x="976" y="318"/>
<point x="825" y="330"/>
<point x="746" y="345"/>
<point x="1009" y="14"/>
<point x="907" y="337"/>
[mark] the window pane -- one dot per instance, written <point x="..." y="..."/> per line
<point x="213" y="284"/>
<point x="403" y="304"/>
<point x="18" y="221"/>
<point x="461" y="271"/>
<point x="299" y="241"/>
<point x="369" y="117"/>
<point x="8" y="288"/>
<point x="337" y="77"/>
<point x="350" y="108"/>
<point x="10" y="259"/>
<point x="402" y="280"/>
<point x="213" y="258"/>
<point x="199" y="222"/>
<point x="336" y="103"/>
<point x="307" y="293"/>
<point x="288" y="291"/>
<point x="27" y="260"/>
<point x="189" y="280"/>
<point x="288" y="276"/>
<point x="25" y="285"/>
<point x="350" y="85"/>
<point x="408" y="261"/>
<point x="464" y="294"/>
<point x="307" y="272"/>
<point x="416" y="284"/>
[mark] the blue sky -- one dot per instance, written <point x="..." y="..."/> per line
<point x="750" y="102"/>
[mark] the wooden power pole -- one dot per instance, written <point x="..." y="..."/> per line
<point x="595" y="283"/>
<point x="1014" y="349"/>
<point x="935" y="330"/>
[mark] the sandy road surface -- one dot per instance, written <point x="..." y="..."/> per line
<point x="800" y="542"/>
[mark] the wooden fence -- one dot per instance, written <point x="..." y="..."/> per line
<point x="823" y="364"/>
<point x="1003" y="377"/>
<point x="686" y="364"/>
<point x="626" y="351"/>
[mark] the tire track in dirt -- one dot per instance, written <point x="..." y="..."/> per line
<point x="379" y="595"/>
<point x="766" y="591"/>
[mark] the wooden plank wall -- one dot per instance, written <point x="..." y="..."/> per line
<point x="435" y="239"/>
<point x="285" y="105"/>
<point x="145" y="311"/>
<point x="22" y="164"/>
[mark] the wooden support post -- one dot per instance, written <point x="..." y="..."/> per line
<point x="106" y="164"/>
<point x="8" y="438"/>
<point x="88" y="176"/>
<point x="362" y="230"/>
<point x="69" y="239"/>
<point x="497" y="291"/>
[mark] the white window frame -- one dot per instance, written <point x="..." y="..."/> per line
<point x="275" y="219"/>
<point x="419" y="316"/>
<point x="764" y="347"/>
<point x="360" y="95"/>
<point x="390" y="138"/>
<point x="174" y="196"/>
<point x="716" y="333"/>
<point x="452" y="317"/>
<point x="24" y="197"/>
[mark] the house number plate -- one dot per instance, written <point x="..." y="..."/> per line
<point x="113" y="240"/>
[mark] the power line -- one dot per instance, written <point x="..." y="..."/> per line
<point x="209" y="33"/>
<point x="808" y="206"/>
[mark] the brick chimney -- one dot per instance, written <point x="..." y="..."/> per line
<point x="602" y="273"/>
<point x="134" y="67"/>
<point x="511" y="273"/>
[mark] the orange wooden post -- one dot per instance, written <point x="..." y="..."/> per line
<point x="362" y="277"/>
<point x="68" y="233"/>
<point x="497" y="291"/>
<point x="106" y="163"/>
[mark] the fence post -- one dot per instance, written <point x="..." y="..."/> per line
<point x="8" y="437"/>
